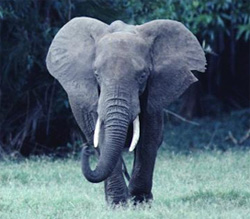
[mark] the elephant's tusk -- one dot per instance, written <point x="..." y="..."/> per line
<point x="136" y="134"/>
<point x="97" y="133"/>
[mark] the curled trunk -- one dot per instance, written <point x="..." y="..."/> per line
<point x="115" y="131"/>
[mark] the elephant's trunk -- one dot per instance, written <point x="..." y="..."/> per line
<point x="115" y="127"/>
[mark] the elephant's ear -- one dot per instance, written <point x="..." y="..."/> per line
<point x="175" y="52"/>
<point x="70" y="59"/>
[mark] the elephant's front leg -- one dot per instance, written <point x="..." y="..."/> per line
<point x="140" y="185"/>
<point x="116" y="191"/>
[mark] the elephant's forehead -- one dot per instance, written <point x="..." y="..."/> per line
<point x="119" y="42"/>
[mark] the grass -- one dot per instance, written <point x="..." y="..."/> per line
<point x="200" y="185"/>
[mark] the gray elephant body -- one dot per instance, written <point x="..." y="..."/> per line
<point x="116" y="74"/>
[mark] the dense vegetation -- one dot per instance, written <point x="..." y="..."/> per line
<point x="35" y="116"/>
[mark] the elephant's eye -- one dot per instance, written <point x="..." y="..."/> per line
<point x="143" y="77"/>
<point x="96" y="74"/>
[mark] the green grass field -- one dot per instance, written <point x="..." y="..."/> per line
<point x="199" y="185"/>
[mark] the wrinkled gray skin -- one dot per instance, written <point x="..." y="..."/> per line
<point x="117" y="72"/>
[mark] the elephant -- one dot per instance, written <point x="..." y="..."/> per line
<point x="119" y="78"/>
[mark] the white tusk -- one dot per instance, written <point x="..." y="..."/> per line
<point x="136" y="134"/>
<point x="97" y="133"/>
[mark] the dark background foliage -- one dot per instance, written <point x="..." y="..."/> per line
<point x="35" y="116"/>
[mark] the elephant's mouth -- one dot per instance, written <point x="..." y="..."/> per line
<point x="133" y="133"/>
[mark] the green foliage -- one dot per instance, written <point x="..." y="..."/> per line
<point x="201" y="185"/>
<point x="204" y="18"/>
<point x="28" y="100"/>
<point x="212" y="133"/>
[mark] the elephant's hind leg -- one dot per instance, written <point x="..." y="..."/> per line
<point x="116" y="191"/>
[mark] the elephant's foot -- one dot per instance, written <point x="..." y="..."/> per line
<point x="142" y="198"/>
<point x="116" y="200"/>
<point x="116" y="190"/>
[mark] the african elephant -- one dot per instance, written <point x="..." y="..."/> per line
<point x="118" y="78"/>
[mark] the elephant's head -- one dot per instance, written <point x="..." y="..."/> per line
<point x="106" y="68"/>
